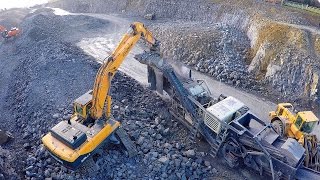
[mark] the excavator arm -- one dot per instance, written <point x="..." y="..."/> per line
<point x="101" y="97"/>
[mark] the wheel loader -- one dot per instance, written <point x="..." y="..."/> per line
<point x="298" y="126"/>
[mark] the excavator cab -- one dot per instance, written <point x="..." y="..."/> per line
<point x="83" y="104"/>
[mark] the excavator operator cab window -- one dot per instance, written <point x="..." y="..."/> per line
<point x="78" y="109"/>
<point x="88" y="107"/>
<point x="307" y="127"/>
<point x="298" y="122"/>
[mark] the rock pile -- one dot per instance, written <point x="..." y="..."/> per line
<point x="220" y="51"/>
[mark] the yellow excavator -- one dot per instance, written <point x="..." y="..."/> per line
<point x="72" y="141"/>
<point x="298" y="126"/>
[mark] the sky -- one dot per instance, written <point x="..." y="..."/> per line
<point x="19" y="3"/>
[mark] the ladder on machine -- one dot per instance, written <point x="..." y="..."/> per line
<point x="220" y="138"/>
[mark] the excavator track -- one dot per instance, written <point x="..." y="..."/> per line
<point x="88" y="168"/>
<point x="126" y="141"/>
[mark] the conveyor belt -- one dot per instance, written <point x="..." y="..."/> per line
<point x="308" y="174"/>
<point x="155" y="60"/>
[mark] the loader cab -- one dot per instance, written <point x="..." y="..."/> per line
<point x="83" y="104"/>
<point x="306" y="121"/>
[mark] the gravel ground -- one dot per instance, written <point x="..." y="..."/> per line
<point x="218" y="50"/>
<point x="13" y="17"/>
<point x="43" y="72"/>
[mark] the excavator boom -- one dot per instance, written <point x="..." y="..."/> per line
<point x="107" y="70"/>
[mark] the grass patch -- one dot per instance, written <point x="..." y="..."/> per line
<point x="278" y="38"/>
<point x="303" y="7"/>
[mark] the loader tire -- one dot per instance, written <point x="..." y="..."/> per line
<point x="278" y="127"/>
